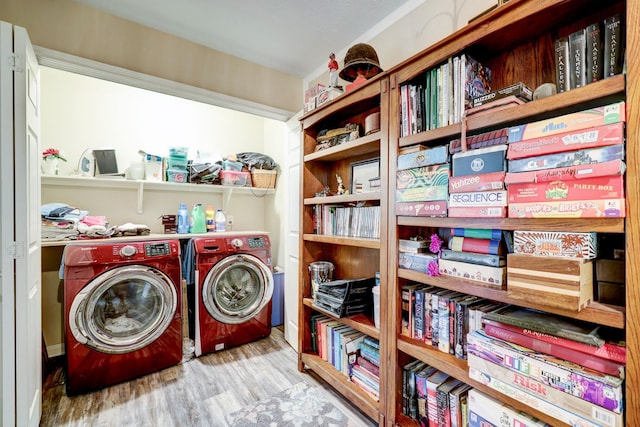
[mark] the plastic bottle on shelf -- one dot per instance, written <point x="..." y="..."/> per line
<point x="183" y="219"/>
<point x="198" y="221"/>
<point x="210" y="214"/>
<point x="221" y="221"/>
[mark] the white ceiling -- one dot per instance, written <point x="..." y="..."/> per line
<point x="293" y="36"/>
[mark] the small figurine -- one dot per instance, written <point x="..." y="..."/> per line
<point x="342" y="190"/>
<point x="333" y="70"/>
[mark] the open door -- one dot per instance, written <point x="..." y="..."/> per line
<point x="20" y="229"/>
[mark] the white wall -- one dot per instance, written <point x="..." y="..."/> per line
<point x="80" y="112"/>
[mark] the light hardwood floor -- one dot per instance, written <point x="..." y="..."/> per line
<point x="198" y="392"/>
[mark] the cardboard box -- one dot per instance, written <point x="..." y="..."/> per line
<point x="569" y="158"/>
<point x="568" y="141"/>
<point x="608" y="208"/>
<point x="555" y="282"/>
<point x="478" y="199"/>
<point x="477" y="182"/>
<point x="153" y="167"/>
<point x="423" y="194"/>
<point x="418" y="262"/>
<point x="494" y="276"/>
<point x="426" y="176"/>
<point x="430" y="156"/>
<point x="485" y="411"/>
<point x="560" y="405"/>
<point x="599" y="188"/>
<point x="608" y="114"/>
<point x="487" y="139"/>
<point x="432" y="208"/>
<point x="593" y="170"/>
<point x="327" y="95"/>
<point x="482" y="212"/>
<point x="556" y="243"/>
<point x="480" y="161"/>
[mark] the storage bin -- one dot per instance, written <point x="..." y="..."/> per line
<point x="234" y="178"/>
<point x="375" y="291"/>
<point x="263" y="178"/>
<point x="176" y="175"/>
<point x="228" y="165"/>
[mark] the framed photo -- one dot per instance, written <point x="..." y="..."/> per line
<point x="365" y="176"/>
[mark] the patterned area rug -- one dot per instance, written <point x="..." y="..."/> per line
<point x="298" y="406"/>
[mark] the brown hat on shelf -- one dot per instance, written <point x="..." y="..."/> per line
<point x="361" y="58"/>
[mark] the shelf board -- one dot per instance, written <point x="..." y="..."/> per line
<point x="595" y="312"/>
<point x="359" y="322"/>
<point x="348" y="198"/>
<point x="597" y="93"/>
<point x="341" y="383"/>
<point x="601" y="225"/>
<point x="344" y="241"/>
<point x="363" y="145"/>
<point x="459" y="369"/>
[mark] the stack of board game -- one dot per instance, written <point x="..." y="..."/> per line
<point x="422" y="182"/>
<point x="568" y="166"/>
<point x="476" y="255"/>
<point x="569" y="369"/>
<point x="477" y="183"/>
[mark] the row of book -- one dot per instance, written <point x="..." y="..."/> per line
<point x="563" y="167"/>
<point x="439" y="97"/>
<point x="435" y="399"/>
<point x="442" y="318"/>
<point x="590" y="54"/>
<point x="348" y="221"/>
<point x="354" y="354"/>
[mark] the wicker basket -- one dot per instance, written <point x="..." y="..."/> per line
<point x="264" y="178"/>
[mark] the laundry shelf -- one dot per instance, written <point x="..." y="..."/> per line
<point x="141" y="186"/>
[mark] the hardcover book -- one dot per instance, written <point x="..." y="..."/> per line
<point x="562" y="63"/>
<point x="577" y="66"/>
<point x="547" y="323"/>
<point x="613" y="46"/>
<point x="594" y="57"/>
<point x="590" y="361"/>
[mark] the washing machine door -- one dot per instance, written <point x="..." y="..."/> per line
<point x="237" y="288"/>
<point x="123" y="309"/>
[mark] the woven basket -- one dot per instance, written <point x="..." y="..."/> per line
<point x="263" y="178"/>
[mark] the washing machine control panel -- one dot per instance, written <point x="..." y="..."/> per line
<point x="157" y="249"/>
<point x="236" y="243"/>
<point x="256" y="242"/>
<point x="128" y="251"/>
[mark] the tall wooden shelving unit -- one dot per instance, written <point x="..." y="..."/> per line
<point x="516" y="42"/>
<point x="352" y="257"/>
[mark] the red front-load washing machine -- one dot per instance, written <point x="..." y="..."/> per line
<point x="234" y="286"/>
<point x="122" y="306"/>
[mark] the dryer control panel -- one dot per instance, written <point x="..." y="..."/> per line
<point x="157" y="249"/>
<point x="256" y="242"/>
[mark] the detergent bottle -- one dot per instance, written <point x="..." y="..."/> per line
<point x="221" y="221"/>
<point x="210" y="216"/>
<point x="198" y="221"/>
<point x="183" y="219"/>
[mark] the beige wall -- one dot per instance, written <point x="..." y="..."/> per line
<point x="80" y="30"/>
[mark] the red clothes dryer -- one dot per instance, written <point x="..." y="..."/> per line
<point x="234" y="286"/>
<point x="122" y="305"/>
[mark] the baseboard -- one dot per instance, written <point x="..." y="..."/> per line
<point x="55" y="350"/>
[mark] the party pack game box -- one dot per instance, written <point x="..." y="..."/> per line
<point x="432" y="208"/>
<point x="480" y="161"/>
<point x="599" y="188"/>
<point x="477" y="182"/>
<point x="426" y="176"/>
<point x="593" y="170"/>
<point x="430" y="156"/>
<point x="605" y="208"/>
<point x="569" y="158"/>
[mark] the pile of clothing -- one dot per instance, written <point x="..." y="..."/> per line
<point x="63" y="222"/>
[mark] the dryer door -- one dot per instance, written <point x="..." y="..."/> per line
<point x="237" y="288"/>
<point x="123" y="309"/>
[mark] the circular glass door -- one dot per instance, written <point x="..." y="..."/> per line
<point x="237" y="288"/>
<point x="123" y="309"/>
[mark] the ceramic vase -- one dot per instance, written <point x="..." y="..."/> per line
<point x="50" y="165"/>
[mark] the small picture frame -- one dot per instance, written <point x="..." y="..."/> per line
<point x="365" y="176"/>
